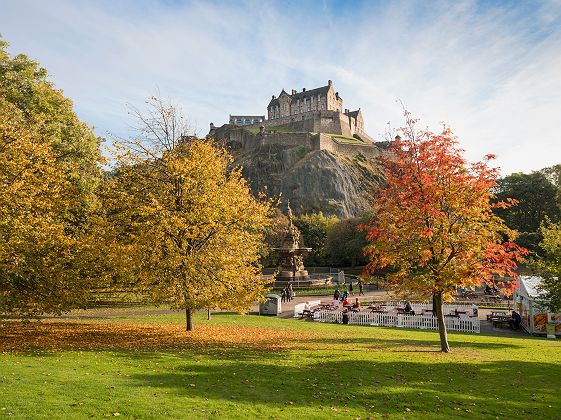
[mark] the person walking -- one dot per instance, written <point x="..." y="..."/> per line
<point x="360" y="288"/>
<point x="283" y="295"/>
<point x="290" y="292"/>
<point x="351" y="288"/>
<point x="336" y="294"/>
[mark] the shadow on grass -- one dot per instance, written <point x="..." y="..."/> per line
<point x="451" y="389"/>
<point x="403" y="344"/>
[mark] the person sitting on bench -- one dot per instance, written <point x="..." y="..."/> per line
<point x="408" y="308"/>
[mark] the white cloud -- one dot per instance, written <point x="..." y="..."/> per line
<point x="491" y="72"/>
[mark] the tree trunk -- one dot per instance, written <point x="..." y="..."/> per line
<point x="441" y="325"/>
<point x="208" y="314"/>
<point x="188" y="320"/>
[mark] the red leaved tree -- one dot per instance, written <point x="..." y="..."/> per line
<point x="434" y="228"/>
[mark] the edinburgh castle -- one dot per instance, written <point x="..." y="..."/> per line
<point x="311" y="118"/>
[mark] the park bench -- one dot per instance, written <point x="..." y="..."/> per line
<point x="495" y="314"/>
<point x="307" y="314"/>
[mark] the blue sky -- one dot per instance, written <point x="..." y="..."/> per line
<point x="491" y="70"/>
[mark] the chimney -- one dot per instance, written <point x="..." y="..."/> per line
<point x="329" y="83"/>
<point x="346" y="111"/>
<point x="273" y="96"/>
<point x="294" y="91"/>
<point x="303" y="89"/>
<point x="337" y="95"/>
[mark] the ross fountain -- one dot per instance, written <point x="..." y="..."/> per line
<point x="291" y="262"/>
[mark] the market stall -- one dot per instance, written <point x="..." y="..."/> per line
<point x="536" y="319"/>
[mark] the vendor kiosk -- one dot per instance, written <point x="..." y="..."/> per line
<point x="536" y="319"/>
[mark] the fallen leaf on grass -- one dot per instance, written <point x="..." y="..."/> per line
<point x="56" y="336"/>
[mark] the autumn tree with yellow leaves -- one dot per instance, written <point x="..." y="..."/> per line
<point x="48" y="176"/>
<point x="188" y="232"/>
<point x="40" y="260"/>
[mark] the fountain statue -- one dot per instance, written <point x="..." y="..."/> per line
<point x="291" y="263"/>
<point x="291" y="258"/>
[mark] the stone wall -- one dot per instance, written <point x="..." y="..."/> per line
<point x="241" y="138"/>
<point x="302" y="125"/>
<point x="369" y="151"/>
<point x="327" y="143"/>
<point x="289" y="139"/>
<point x="331" y="122"/>
<point x="304" y="118"/>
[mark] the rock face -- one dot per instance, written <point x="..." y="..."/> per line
<point x="313" y="180"/>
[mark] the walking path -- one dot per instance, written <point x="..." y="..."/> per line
<point x="288" y="307"/>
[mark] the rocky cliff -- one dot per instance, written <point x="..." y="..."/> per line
<point x="313" y="180"/>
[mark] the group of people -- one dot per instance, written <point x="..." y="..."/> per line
<point x="360" y="287"/>
<point x="343" y="297"/>
<point x="287" y="294"/>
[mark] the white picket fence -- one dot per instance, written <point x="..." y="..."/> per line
<point x="424" y="322"/>
<point x="419" y="307"/>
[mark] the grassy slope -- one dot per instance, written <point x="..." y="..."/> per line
<point x="323" y="371"/>
<point x="346" y="139"/>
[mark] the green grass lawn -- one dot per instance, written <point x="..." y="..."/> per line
<point x="257" y="367"/>
<point x="346" y="139"/>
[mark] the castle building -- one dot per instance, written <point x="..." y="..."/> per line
<point x="314" y="118"/>
<point x="315" y="104"/>
<point x="246" y="119"/>
<point x="301" y="103"/>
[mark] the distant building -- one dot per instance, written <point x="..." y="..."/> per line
<point x="246" y="119"/>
